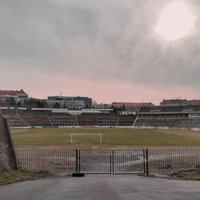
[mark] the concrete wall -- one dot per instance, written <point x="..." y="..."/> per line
<point x="7" y="154"/>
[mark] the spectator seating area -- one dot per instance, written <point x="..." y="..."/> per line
<point x="174" y="116"/>
<point x="185" y="117"/>
<point x="126" y="120"/>
<point x="86" y="120"/>
<point x="49" y="119"/>
<point x="14" y="120"/>
<point x="107" y="120"/>
<point x="179" y="123"/>
<point x="60" y="119"/>
<point x="170" y="109"/>
<point x="35" y="119"/>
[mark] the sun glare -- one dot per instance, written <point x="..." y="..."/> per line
<point x="176" y="21"/>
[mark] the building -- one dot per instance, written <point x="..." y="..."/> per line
<point x="102" y="106"/>
<point x="130" y="105"/>
<point x="72" y="103"/>
<point x="194" y="102"/>
<point x="18" y="95"/>
<point x="174" y="102"/>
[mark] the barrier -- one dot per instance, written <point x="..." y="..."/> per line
<point x="7" y="154"/>
<point x="107" y="161"/>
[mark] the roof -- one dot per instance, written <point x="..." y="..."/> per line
<point x="174" y="102"/>
<point x="131" y="104"/>
<point x="12" y="92"/>
<point x="194" y="102"/>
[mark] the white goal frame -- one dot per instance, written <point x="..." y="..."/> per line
<point x="86" y="134"/>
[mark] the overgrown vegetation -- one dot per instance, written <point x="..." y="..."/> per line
<point x="188" y="175"/>
<point x="14" y="176"/>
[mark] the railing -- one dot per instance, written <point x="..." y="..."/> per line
<point x="52" y="161"/>
<point x="167" y="161"/>
<point x="106" y="161"/>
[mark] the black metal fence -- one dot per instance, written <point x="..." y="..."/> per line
<point x="106" y="161"/>
<point x="53" y="161"/>
<point x="128" y="161"/>
<point x="167" y="161"/>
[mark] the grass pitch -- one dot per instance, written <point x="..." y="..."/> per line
<point x="111" y="137"/>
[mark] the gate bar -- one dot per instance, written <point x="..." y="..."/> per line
<point x="147" y="162"/>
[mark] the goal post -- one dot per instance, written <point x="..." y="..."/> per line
<point x="86" y="138"/>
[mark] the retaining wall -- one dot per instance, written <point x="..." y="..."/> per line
<point x="7" y="154"/>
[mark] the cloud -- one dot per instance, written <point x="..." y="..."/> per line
<point x="95" y="41"/>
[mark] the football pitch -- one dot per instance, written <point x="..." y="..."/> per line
<point x="111" y="138"/>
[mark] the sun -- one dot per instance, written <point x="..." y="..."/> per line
<point x="176" y="21"/>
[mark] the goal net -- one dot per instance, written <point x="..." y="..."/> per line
<point x="86" y="138"/>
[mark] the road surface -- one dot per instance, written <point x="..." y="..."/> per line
<point x="102" y="187"/>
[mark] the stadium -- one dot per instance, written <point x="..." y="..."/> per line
<point x="60" y="111"/>
<point x="105" y="140"/>
<point x="117" y="56"/>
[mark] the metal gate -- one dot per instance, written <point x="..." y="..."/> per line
<point x="88" y="161"/>
<point x="130" y="161"/>
<point x="105" y="161"/>
<point x="95" y="161"/>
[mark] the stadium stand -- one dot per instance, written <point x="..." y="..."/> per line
<point x="24" y="118"/>
<point x="126" y="120"/>
<point x="15" y="121"/>
<point x="35" y="118"/>
<point x="60" y="119"/>
<point x="87" y="120"/>
<point x="167" y="116"/>
<point x="107" y="120"/>
<point x="174" y="116"/>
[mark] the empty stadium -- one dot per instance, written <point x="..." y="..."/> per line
<point x="40" y="137"/>
<point x="165" y="117"/>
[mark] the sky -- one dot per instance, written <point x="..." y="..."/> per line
<point x="108" y="50"/>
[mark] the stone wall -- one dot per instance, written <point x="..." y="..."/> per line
<point x="7" y="154"/>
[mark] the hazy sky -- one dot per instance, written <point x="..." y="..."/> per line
<point x="104" y="49"/>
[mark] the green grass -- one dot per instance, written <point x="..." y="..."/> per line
<point x="14" y="176"/>
<point x="41" y="138"/>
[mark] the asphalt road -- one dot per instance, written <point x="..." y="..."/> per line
<point x="102" y="187"/>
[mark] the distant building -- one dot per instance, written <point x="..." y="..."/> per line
<point x="18" y="95"/>
<point x="194" y="102"/>
<point x="130" y="105"/>
<point x="72" y="103"/>
<point x="102" y="106"/>
<point x="174" y="102"/>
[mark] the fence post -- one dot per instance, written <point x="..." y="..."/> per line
<point x="147" y="161"/>
<point x="111" y="162"/>
<point x="77" y="161"/>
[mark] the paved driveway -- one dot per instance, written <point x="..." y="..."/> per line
<point x="101" y="187"/>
